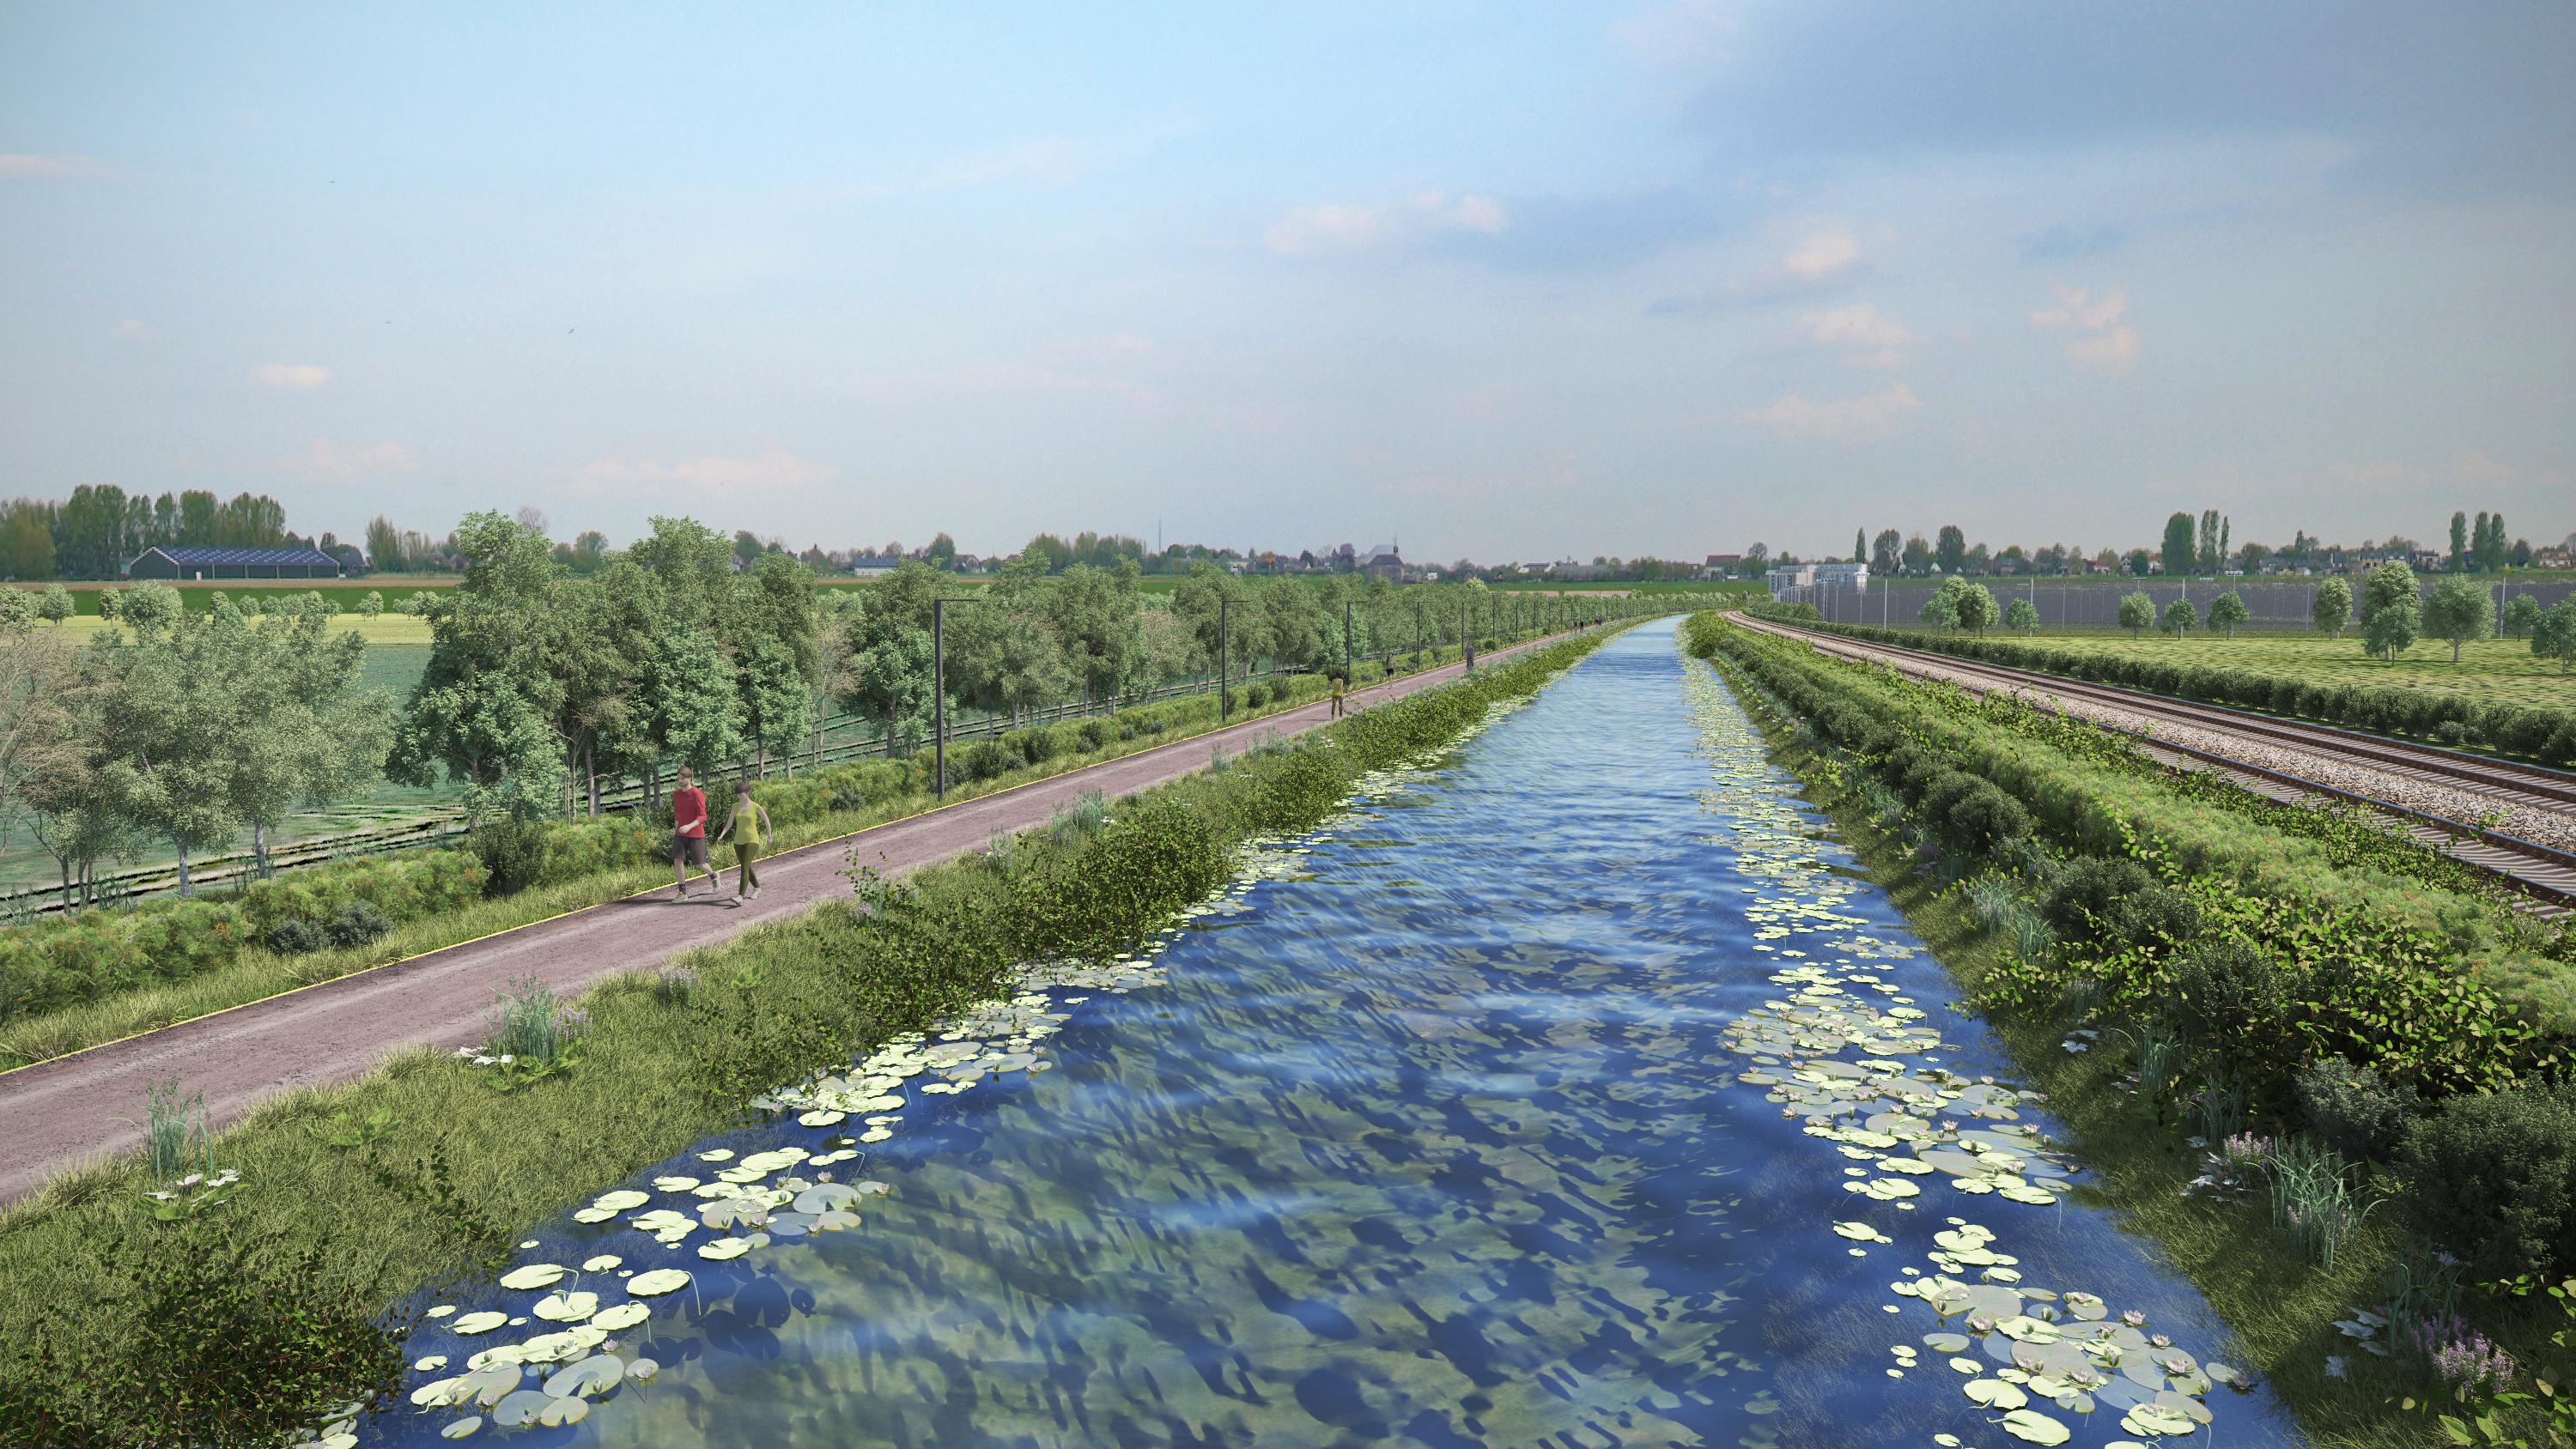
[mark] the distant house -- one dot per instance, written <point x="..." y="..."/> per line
<point x="1383" y="562"/>
<point x="872" y="566"/>
<point x="1720" y="565"/>
<point x="1790" y="581"/>
<point x="182" y="563"/>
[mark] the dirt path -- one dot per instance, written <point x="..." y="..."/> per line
<point x="59" y="1112"/>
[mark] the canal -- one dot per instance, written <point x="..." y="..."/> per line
<point x="1573" y="1089"/>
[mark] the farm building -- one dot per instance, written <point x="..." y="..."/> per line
<point x="234" y="563"/>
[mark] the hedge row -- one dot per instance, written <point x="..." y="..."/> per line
<point x="2527" y="731"/>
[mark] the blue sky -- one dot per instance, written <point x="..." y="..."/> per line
<point x="1504" y="281"/>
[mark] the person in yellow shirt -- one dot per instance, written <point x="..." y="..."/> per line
<point x="1337" y="696"/>
<point x="750" y="827"/>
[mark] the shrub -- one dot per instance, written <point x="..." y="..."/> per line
<point x="2230" y="998"/>
<point x="2494" y="1180"/>
<point x="295" y="935"/>
<point x="512" y="852"/>
<point x="2087" y="894"/>
<point x="356" y="923"/>
<point x="2355" y="1110"/>
<point x="1095" y="735"/>
<point x="1255" y="695"/>
<point x="987" y="759"/>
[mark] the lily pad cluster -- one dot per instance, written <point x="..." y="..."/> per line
<point x="1842" y="1051"/>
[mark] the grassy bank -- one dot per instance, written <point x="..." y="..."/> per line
<point x="2142" y="1044"/>
<point x="353" y="1196"/>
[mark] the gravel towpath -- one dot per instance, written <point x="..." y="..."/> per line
<point x="74" y="1108"/>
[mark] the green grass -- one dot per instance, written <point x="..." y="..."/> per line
<point x="2255" y="1278"/>
<point x="2497" y="671"/>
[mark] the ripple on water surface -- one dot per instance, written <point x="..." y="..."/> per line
<point x="1528" y="1110"/>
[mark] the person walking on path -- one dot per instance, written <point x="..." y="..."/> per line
<point x="689" y="834"/>
<point x="1337" y="696"/>
<point x="751" y="828"/>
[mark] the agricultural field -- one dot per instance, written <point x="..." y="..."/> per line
<point x="2491" y="671"/>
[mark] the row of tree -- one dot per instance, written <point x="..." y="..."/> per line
<point x="2192" y="547"/>
<point x="181" y="728"/>
<point x="96" y="531"/>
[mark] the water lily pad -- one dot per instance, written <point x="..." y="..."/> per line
<point x="462" y="1428"/>
<point x="723" y="1249"/>
<point x="438" y="1393"/>
<point x="601" y="1264"/>
<point x="442" y="1310"/>
<point x="518" y="1409"/>
<point x="2036" y="1427"/>
<point x="658" y="1282"/>
<point x="596" y="1374"/>
<point x="1946" y="1342"/>
<point x="719" y="1154"/>
<point x="642" y="1370"/>
<point x="821" y="1118"/>
<point x="431" y="1364"/>
<point x="1994" y="1394"/>
<point x="560" y="1412"/>
<point x="674" y="1184"/>
<point x="823" y="1197"/>
<point x="620" y="1318"/>
<point x="566" y="1307"/>
<point x="621" y="1200"/>
<point x="2153" y="1420"/>
<point x="484" y="1322"/>
<point x="533" y="1276"/>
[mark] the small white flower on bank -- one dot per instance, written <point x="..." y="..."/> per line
<point x="2336" y="1368"/>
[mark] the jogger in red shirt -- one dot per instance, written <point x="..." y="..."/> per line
<point x="689" y="834"/>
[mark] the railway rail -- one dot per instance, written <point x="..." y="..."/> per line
<point x="2545" y="873"/>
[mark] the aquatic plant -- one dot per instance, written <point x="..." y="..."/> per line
<point x="2313" y="1198"/>
<point x="2221" y="1106"/>
<point x="1081" y="820"/>
<point x="176" y="1135"/>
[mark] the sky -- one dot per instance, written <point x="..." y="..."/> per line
<point x="1495" y="281"/>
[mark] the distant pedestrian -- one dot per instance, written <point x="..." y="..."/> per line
<point x="750" y="828"/>
<point x="1337" y="696"/>
<point x="689" y="834"/>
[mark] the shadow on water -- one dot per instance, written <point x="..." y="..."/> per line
<point x="1441" y="1142"/>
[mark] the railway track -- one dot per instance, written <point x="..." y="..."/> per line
<point x="2544" y="872"/>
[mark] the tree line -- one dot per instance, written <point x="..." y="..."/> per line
<point x="99" y="528"/>
<point x="2200" y="546"/>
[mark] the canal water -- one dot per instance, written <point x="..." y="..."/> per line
<point x="1573" y="1090"/>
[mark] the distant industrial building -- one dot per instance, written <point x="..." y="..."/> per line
<point x="235" y="563"/>
<point x="1800" y="583"/>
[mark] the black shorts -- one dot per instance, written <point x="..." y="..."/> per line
<point x="689" y="848"/>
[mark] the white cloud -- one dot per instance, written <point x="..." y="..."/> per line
<point x="1826" y="254"/>
<point x="17" y="166"/>
<point x="290" y="376"/>
<point x="1337" y="227"/>
<point x="330" y="462"/>
<point x="1865" y="336"/>
<point x="134" y="330"/>
<point x="1840" y="420"/>
<point x="2103" y="338"/>
<point x="774" y="469"/>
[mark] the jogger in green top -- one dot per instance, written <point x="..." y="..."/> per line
<point x="750" y="827"/>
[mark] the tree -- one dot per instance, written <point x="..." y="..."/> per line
<point x="307" y="736"/>
<point x="483" y="711"/>
<point x="2494" y="554"/>
<point x="2139" y="562"/>
<point x="1951" y="553"/>
<point x="2226" y="612"/>
<point x="1917" y="556"/>
<point x="771" y="631"/>
<point x="2390" y="606"/>
<point x="2554" y="636"/>
<point x="941" y="552"/>
<point x="2020" y="615"/>
<point x="1886" y="553"/>
<point x="2331" y="607"/>
<point x="1095" y="613"/>
<point x="2205" y="557"/>
<point x="168" y="726"/>
<point x="2459" y="539"/>
<point x="54" y="605"/>
<point x="1860" y="545"/>
<point x="372" y="606"/>
<point x="1941" y="611"/>
<point x="2459" y="611"/>
<point x="2180" y="617"/>
<point x="2137" y="613"/>
<point x="2181" y="550"/>
<point x="880" y="656"/>
<point x="1978" y="609"/>
<point x="26" y="544"/>
<point x="384" y="543"/>
<point x="2521" y="612"/>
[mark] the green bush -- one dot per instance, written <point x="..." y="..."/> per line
<point x="987" y="759"/>
<point x="356" y="923"/>
<point x="2494" y="1180"/>
<point x="295" y="935"/>
<point x="1096" y="735"/>
<point x="512" y="852"/>
<point x="2231" y="1000"/>
<point x="2355" y="1110"/>
<point x="1255" y="695"/>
